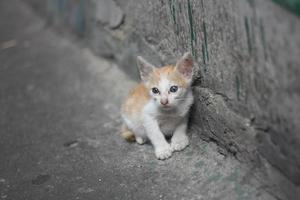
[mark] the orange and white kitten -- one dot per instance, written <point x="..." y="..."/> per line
<point x="159" y="106"/>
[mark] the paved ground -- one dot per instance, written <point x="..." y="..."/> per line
<point x="59" y="126"/>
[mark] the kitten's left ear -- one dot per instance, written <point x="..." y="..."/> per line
<point x="185" y="66"/>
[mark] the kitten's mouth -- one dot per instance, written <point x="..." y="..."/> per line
<point x="166" y="107"/>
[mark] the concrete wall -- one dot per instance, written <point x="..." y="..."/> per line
<point x="247" y="56"/>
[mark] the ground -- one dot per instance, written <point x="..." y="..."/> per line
<point x="59" y="107"/>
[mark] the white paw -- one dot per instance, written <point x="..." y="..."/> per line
<point x="140" y="140"/>
<point x="163" y="153"/>
<point x="179" y="144"/>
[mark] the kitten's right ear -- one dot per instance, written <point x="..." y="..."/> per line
<point x="145" y="68"/>
<point x="185" y="66"/>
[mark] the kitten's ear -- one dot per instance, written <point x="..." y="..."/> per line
<point x="185" y="66"/>
<point x="145" y="68"/>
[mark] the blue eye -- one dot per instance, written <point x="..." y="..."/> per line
<point x="173" y="89"/>
<point x="155" y="90"/>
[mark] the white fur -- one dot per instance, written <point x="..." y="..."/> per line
<point x="157" y="120"/>
<point x="170" y="122"/>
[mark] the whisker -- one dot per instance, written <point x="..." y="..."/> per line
<point x="183" y="98"/>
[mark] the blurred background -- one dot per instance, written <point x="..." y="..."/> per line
<point x="65" y="66"/>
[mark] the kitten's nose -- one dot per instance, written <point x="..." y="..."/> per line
<point x="164" y="101"/>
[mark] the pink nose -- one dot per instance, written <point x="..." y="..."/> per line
<point x="164" y="101"/>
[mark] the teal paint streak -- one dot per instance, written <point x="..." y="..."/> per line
<point x="247" y="27"/>
<point x="291" y="5"/>
<point x="192" y="30"/>
<point x="191" y="21"/>
<point x="205" y="33"/>
<point x="205" y="41"/>
<point x="252" y="38"/>
<point x="172" y="7"/>
<point x="174" y="13"/>
<point x="172" y="10"/>
<point x="195" y="53"/>
<point x="203" y="54"/>
<point x="180" y="7"/>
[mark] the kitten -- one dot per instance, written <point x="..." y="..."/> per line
<point x="159" y="106"/>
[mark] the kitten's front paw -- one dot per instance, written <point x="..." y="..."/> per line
<point x="180" y="144"/>
<point x="140" y="140"/>
<point x="163" y="153"/>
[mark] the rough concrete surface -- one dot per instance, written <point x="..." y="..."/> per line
<point x="246" y="53"/>
<point x="59" y="126"/>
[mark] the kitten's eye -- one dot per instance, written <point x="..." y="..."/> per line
<point x="155" y="90"/>
<point x="174" y="88"/>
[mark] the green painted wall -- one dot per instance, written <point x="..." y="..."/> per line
<point x="292" y="5"/>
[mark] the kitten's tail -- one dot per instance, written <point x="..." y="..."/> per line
<point x="127" y="134"/>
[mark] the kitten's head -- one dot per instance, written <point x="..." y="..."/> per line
<point x="168" y="85"/>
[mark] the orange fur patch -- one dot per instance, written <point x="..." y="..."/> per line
<point x="136" y="100"/>
<point x="170" y="73"/>
<point x="127" y="134"/>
